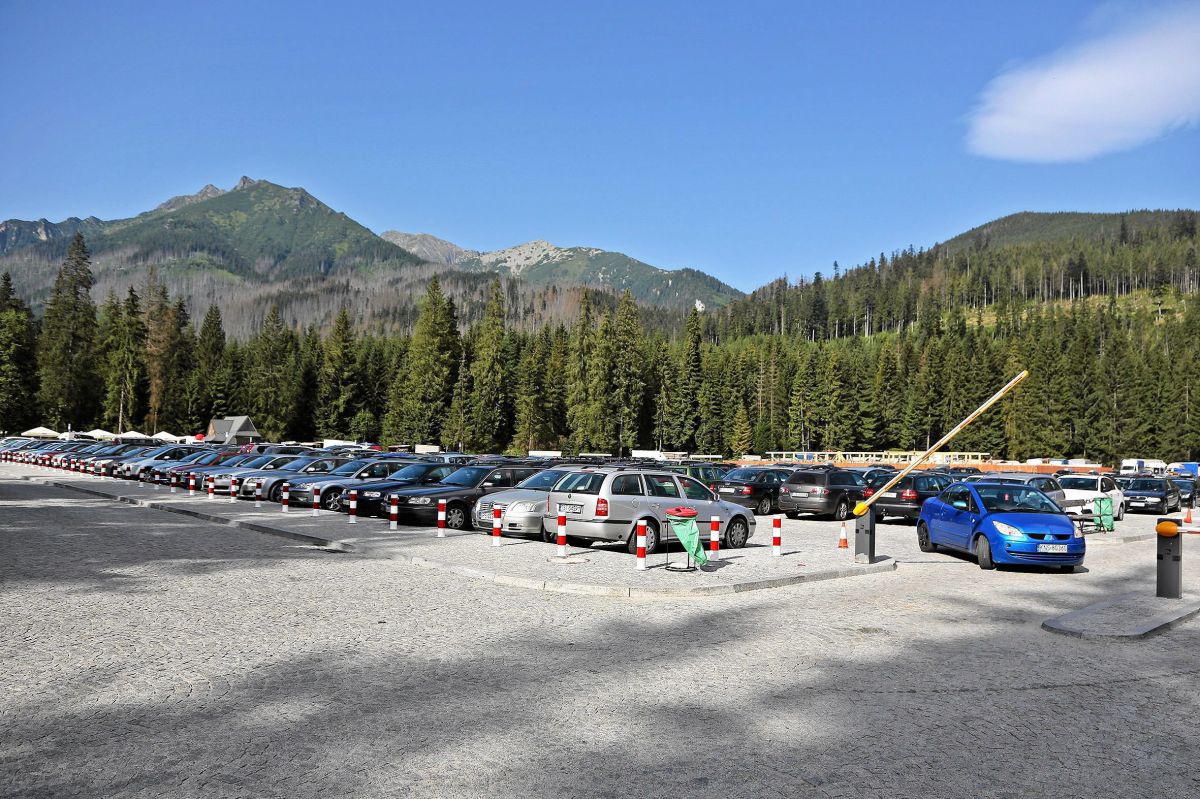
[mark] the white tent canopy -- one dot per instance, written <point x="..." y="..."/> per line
<point x="41" y="432"/>
<point x="100" y="435"/>
<point x="132" y="434"/>
<point x="163" y="435"/>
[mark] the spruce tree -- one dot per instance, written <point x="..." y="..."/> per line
<point x="422" y="391"/>
<point x="626" y="380"/>
<point x="18" y="373"/>
<point x="68" y="384"/>
<point x="125" y="383"/>
<point x="741" y="434"/>
<point x="490" y="404"/>
<point x="337" y="383"/>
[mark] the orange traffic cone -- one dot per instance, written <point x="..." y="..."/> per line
<point x="1188" y="519"/>
<point x="843" y="541"/>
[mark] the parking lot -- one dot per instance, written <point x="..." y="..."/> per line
<point x="148" y="653"/>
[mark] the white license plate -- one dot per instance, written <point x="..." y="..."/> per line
<point x="564" y="507"/>
<point x="799" y="493"/>
<point x="1052" y="548"/>
<point x="727" y="489"/>
<point x="1138" y="504"/>
<point x="890" y="494"/>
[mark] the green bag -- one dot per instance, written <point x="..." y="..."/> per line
<point x="1102" y="509"/>
<point x="688" y="535"/>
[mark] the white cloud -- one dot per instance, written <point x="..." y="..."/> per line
<point x="1108" y="94"/>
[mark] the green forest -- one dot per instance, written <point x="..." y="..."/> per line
<point x="889" y="354"/>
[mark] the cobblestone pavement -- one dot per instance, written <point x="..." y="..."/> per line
<point x="146" y="654"/>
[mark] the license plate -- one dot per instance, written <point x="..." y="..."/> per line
<point x="727" y="489"/>
<point x="1051" y="547"/>
<point x="1138" y="504"/>
<point x="569" y="508"/>
<point x="889" y="494"/>
<point x="799" y="493"/>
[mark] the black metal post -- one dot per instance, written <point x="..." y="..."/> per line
<point x="1170" y="563"/>
<point x="864" y="537"/>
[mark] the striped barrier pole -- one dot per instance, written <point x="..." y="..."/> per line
<point x="441" y="533"/>
<point x="212" y="487"/>
<point x="191" y="484"/>
<point x="495" y="525"/>
<point x="777" y="536"/>
<point x="284" y="496"/>
<point x="258" y="495"/>
<point x="316" y="505"/>
<point x="641" y="545"/>
<point x="562" y="535"/>
<point x="174" y="481"/>
<point x="353" y="514"/>
<point x="150" y="477"/>
<point x="714" y="538"/>
<point x="233" y="488"/>
<point x="393" y="512"/>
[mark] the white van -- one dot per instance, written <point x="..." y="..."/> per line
<point x="1142" y="466"/>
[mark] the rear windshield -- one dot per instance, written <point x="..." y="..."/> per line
<point x="745" y="475"/>
<point x="581" y="483"/>
<point x="542" y="481"/>
<point x="1146" y="485"/>
<point x="809" y="478"/>
<point x="1084" y="483"/>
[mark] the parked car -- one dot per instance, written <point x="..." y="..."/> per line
<point x="963" y="471"/>
<point x="906" y="497"/>
<point x="822" y="491"/>
<point x="1187" y="490"/>
<point x="137" y="469"/>
<point x="255" y="464"/>
<point x="1147" y="493"/>
<point x="271" y="481"/>
<point x="1001" y="523"/>
<point x="706" y="473"/>
<point x="461" y="489"/>
<point x="330" y="486"/>
<point x="754" y="487"/>
<point x="371" y="495"/>
<point x="606" y="503"/>
<point x="206" y="463"/>
<point x="1082" y="490"/>
<point x="523" y="508"/>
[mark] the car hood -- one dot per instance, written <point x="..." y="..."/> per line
<point x="1143" y="493"/>
<point x="1036" y="522"/>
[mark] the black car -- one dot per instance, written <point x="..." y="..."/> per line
<point x="962" y="471"/>
<point x="834" y="491"/>
<point x="371" y="498"/>
<point x="1187" y="490"/>
<point x="1156" y="494"/>
<point x="460" y="490"/>
<point x="906" y="497"/>
<point x="704" y="472"/>
<point x="754" y="487"/>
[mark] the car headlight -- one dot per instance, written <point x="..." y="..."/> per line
<point x="1007" y="530"/>
<point x="1079" y="532"/>
<point x="525" y="507"/>
<point x="420" y="501"/>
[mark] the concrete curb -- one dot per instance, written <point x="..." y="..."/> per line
<point x="881" y="564"/>
<point x="1172" y="613"/>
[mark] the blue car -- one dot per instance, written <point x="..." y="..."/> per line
<point x="1001" y="523"/>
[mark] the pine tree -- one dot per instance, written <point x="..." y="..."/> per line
<point x="578" y="391"/>
<point x="422" y="391"/>
<point x="490" y="403"/>
<point x="741" y="434"/>
<point x="626" y="380"/>
<point x="271" y="371"/>
<point x="18" y="373"/>
<point x="125" y="383"/>
<point x="337" y="399"/>
<point x="66" y="365"/>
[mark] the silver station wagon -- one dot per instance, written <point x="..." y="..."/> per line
<point x="606" y="503"/>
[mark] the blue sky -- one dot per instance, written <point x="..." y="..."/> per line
<point x="749" y="140"/>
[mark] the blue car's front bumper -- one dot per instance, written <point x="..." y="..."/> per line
<point x="1025" y="552"/>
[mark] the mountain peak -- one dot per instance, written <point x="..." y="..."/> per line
<point x="244" y="183"/>
<point x="175" y="203"/>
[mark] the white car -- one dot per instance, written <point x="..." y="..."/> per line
<point x="1081" y="489"/>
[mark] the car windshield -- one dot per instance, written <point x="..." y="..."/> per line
<point x="413" y="472"/>
<point x="1146" y="485"/>
<point x="348" y="468"/>
<point x="1184" y="483"/>
<point x="1085" y="483"/>
<point x="1013" y="499"/>
<point x="745" y="475"/>
<point x="542" y="481"/>
<point x="581" y="483"/>
<point x="254" y="463"/>
<point x="469" y="476"/>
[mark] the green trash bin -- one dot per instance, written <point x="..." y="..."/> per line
<point x="1102" y="510"/>
<point x="683" y="524"/>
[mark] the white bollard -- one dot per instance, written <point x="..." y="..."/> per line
<point x="562" y="535"/>
<point x="284" y="495"/>
<point x="714" y="538"/>
<point x="316" y="506"/>
<point x="233" y="488"/>
<point x="777" y="536"/>
<point x="393" y="512"/>
<point x="441" y="533"/>
<point x="353" y="514"/>
<point x="495" y="525"/>
<point x="641" y="545"/>
<point x="258" y="495"/>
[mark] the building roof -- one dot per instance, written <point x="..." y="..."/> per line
<point x="230" y="428"/>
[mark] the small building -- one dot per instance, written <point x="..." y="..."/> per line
<point x="232" y="430"/>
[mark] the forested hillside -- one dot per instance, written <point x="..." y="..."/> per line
<point x="888" y="355"/>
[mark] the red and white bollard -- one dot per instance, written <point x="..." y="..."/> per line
<point x="174" y="482"/>
<point x="777" y="536"/>
<point x="441" y="533"/>
<point x="496" y="525"/>
<point x="353" y="514"/>
<point x="212" y="487"/>
<point x="191" y="484"/>
<point x="284" y="495"/>
<point x="258" y="495"/>
<point x="233" y="488"/>
<point x="562" y="535"/>
<point x="393" y="512"/>
<point x="714" y="538"/>
<point x="641" y="545"/>
<point x="316" y="506"/>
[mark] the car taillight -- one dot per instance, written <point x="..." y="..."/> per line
<point x="868" y="492"/>
<point x="908" y="495"/>
<point x="747" y="491"/>
<point x="602" y="507"/>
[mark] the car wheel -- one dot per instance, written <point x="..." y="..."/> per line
<point x="736" y="533"/>
<point x="276" y="493"/>
<point x="764" y="507"/>
<point x="842" y="511"/>
<point x="456" y="517"/>
<point x="651" y="539"/>
<point x="983" y="551"/>
<point x="923" y="540"/>
<point x="331" y="500"/>
<point x="1120" y="512"/>
<point x="1066" y="569"/>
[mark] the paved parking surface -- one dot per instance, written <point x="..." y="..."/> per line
<point x="146" y="654"/>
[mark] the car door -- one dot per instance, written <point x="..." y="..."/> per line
<point x="663" y="494"/>
<point x="958" y="517"/>
<point x="628" y="497"/>
<point x="696" y="496"/>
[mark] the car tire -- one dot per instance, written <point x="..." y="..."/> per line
<point x="576" y="541"/>
<point x="764" y="507"/>
<point x="651" y="538"/>
<point x="842" y="511"/>
<point x="1120" y="512"/>
<point x="737" y="532"/>
<point x="331" y="500"/>
<point x="457" y="517"/>
<point x="276" y="493"/>
<point x="924" y="542"/>
<point x="983" y="553"/>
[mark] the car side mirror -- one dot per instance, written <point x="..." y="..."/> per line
<point x="960" y="504"/>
